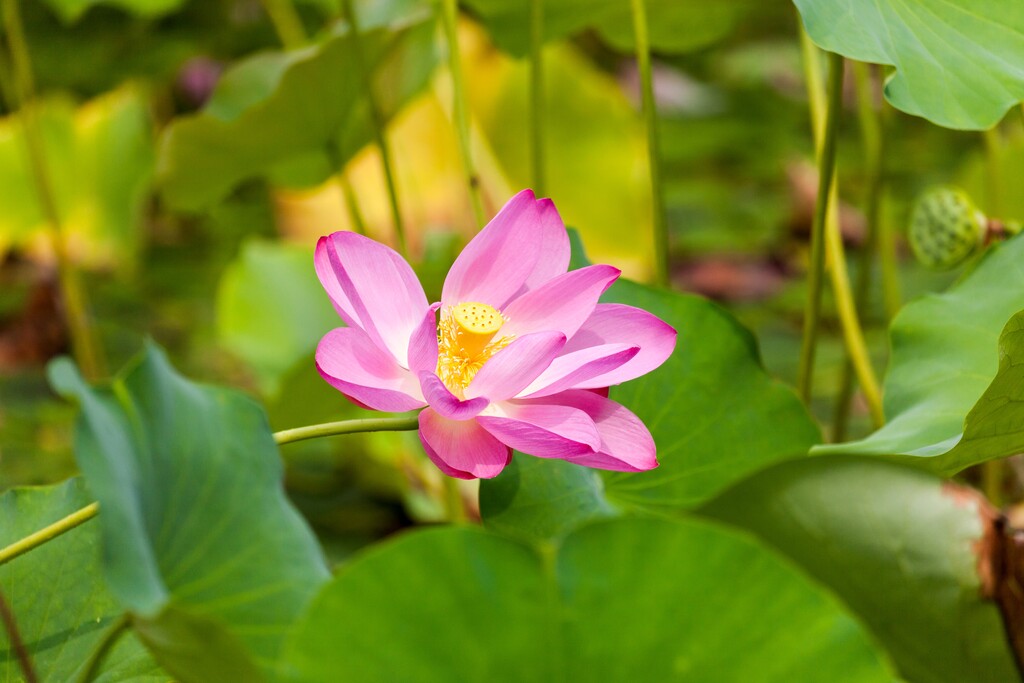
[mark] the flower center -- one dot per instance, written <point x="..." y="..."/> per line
<point x="465" y="341"/>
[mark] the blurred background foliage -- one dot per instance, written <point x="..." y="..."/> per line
<point x="194" y="223"/>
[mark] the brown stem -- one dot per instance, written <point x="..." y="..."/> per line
<point x="17" y="644"/>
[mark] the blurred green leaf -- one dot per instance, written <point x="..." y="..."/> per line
<point x="645" y="600"/>
<point x="899" y="546"/>
<point x="57" y="593"/>
<point x="100" y="160"/>
<point x="296" y="107"/>
<point x="674" y="26"/>
<point x="957" y="61"/>
<point x="71" y="10"/>
<point x="201" y="544"/>
<point x="271" y="309"/>
<point x="952" y="396"/>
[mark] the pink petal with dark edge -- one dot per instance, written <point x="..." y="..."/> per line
<point x="513" y="368"/>
<point x="563" y="303"/>
<point x="542" y="429"/>
<point x="350" y="362"/>
<point x="372" y="288"/>
<point x="522" y="247"/>
<point x="462" y="449"/>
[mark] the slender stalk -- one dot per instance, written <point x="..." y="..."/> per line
<point x="993" y="170"/>
<point x="287" y="23"/>
<point x="892" y="293"/>
<point x="106" y="644"/>
<point x="456" y="506"/>
<point x="537" y="108"/>
<point x="650" y="111"/>
<point x="993" y="472"/>
<point x="370" y="424"/>
<point x="17" y="644"/>
<point x="871" y="133"/>
<point x="460" y="114"/>
<point x="19" y="89"/>
<point x="826" y="170"/>
<point x="355" y="214"/>
<point x="379" y="126"/>
<point x="853" y="336"/>
<point x="49" y="533"/>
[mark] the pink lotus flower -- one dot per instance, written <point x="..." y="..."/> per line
<point x="521" y="357"/>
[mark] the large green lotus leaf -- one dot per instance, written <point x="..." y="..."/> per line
<point x="619" y="600"/>
<point x="898" y="545"/>
<point x="271" y="309"/>
<point x="715" y="414"/>
<point x="100" y="159"/>
<point x="71" y="10"/>
<point x="276" y="108"/>
<point x="957" y="61"/>
<point x="673" y="26"/>
<point x="201" y="544"/>
<point x="954" y="394"/>
<point x="58" y="595"/>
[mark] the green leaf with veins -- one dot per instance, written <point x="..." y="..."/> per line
<point x="58" y="596"/>
<point x="619" y="600"/>
<point x="957" y="61"/>
<point x="954" y="393"/>
<point x="901" y="547"/>
<point x="201" y="544"/>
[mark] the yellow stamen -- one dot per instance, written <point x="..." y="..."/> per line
<point x="477" y="324"/>
<point x="466" y="340"/>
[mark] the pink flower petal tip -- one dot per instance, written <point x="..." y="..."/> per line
<point x="518" y="354"/>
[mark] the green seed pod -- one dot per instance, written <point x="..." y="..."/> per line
<point x="946" y="227"/>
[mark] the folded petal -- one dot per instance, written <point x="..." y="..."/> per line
<point x="445" y="402"/>
<point x="372" y="288"/>
<point x="626" y="444"/>
<point x="513" y="368"/>
<point x="423" y="343"/>
<point x="620" y="324"/>
<point x="350" y="362"/>
<point x="576" y="369"/>
<point x="524" y="245"/>
<point x="563" y="303"/>
<point x="462" y="449"/>
<point x="542" y="429"/>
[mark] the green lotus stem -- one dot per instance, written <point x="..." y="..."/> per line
<point x="19" y="90"/>
<point x="287" y="23"/>
<point x="370" y="424"/>
<point x="379" y="127"/>
<point x="355" y="214"/>
<point x="49" y="533"/>
<point x="994" y="170"/>
<point x="460" y="115"/>
<point x="870" y="120"/>
<point x="826" y="171"/>
<point x="16" y="642"/>
<point x="453" y="498"/>
<point x="79" y="517"/>
<point x="106" y="644"/>
<point x="650" y="111"/>
<point x="853" y="336"/>
<point x="537" y="109"/>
